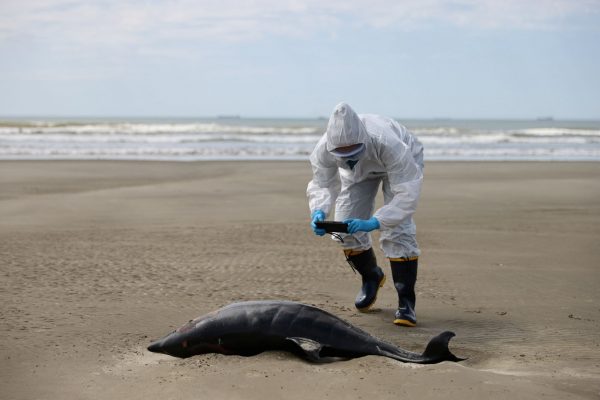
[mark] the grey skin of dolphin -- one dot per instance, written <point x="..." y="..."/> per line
<point x="249" y="328"/>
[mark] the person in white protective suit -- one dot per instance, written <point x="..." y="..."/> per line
<point x="356" y="154"/>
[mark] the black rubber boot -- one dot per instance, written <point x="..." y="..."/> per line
<point x="405" y="276"/>
<point x="372" y="278"/>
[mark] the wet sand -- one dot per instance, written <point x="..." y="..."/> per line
<point x="99" y="258"/>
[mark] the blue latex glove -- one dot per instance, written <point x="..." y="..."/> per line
<point x="362" y="225"/>
<point x="317" y="215"/>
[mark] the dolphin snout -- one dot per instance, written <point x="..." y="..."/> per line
<point x="156" y="347"/>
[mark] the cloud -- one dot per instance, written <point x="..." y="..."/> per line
<point x="125" y="23"/>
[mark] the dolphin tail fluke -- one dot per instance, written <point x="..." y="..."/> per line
<point x="437" y="349"/>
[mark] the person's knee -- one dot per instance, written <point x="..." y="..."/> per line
<point x="359" y="240"/>
<point x="406" y="248"/>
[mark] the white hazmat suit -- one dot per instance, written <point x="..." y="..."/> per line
<point x="391" y="155"/>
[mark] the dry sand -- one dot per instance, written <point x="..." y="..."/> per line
<point x="98" y="258"/>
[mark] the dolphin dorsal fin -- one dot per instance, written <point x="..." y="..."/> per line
<point x="310" y="347"/>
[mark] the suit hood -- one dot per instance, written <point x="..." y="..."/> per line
<point x="345" y="128"/>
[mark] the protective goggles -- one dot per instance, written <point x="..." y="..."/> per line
<point x="348" y="151"/>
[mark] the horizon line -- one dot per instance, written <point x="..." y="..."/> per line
<point x="315" y="118"/>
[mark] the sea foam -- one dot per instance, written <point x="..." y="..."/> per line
<point x="210" y="139"/>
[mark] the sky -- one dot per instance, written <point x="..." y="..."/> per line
<point x="293" y="58"/>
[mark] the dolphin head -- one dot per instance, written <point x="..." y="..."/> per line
<point x="174" y="344"/>
<point x="195" y="337"/>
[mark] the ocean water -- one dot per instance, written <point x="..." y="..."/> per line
<point x="187" y="139"/>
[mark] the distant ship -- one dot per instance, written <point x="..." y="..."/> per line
<point x="545" y="118"/>
<point x="233" y="116"/>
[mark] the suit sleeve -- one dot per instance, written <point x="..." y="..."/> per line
<point x="323" y="189"/>
<point x="405" y="177"/>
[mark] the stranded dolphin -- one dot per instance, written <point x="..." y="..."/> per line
<point x="249" y="328"/>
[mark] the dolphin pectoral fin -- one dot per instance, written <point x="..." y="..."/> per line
<point x="310" y="347"/>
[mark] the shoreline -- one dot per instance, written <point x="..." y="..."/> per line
<point x="291" y="159"/>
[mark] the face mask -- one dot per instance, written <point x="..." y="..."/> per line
<point x="350" y="162"/>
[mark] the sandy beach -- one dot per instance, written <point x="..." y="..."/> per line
<point x="99" y="258"/>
